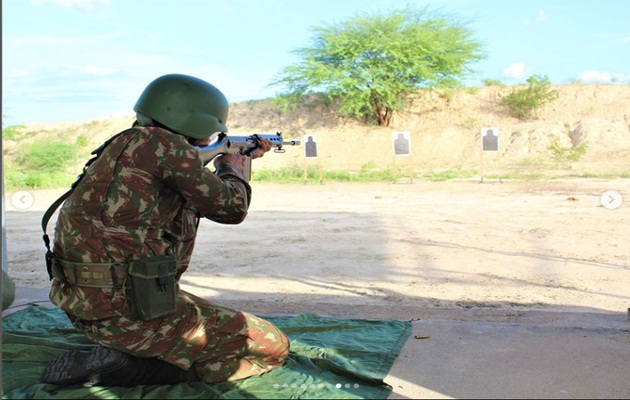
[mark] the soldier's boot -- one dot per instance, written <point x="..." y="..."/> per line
<point x="108" y="367"/>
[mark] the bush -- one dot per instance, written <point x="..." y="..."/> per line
<point x="82" y="141"/>
<point x="41" y="166"/>
<point x="524" y="103"/>
<point x="493" y="82"/>
<point x="13" y="132"/>
<point x="48" y="157"/>
<point x="567" y="154"/>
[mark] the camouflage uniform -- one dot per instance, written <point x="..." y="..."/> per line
<point x="143" y="197"/>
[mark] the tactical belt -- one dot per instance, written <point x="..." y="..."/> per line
<point x="96" y="275"/>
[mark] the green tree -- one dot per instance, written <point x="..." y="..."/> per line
<point x="524" y="103"/>
<point x="370" y="64"/>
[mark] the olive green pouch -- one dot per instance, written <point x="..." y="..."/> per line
<point x="152" y="286"/>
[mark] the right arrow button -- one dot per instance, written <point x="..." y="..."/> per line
<point x="611" y="199"/>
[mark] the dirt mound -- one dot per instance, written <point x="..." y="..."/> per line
<point x="444" y="131"/>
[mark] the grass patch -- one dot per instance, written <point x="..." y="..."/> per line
<point x="41" y="165"/>
<point x="447" y="175"/>
<point x="52" y="157"/>
<point x="295" y="173"/>
<point x="522" y="176"/>
<point x="16" y="180"/>
<point x="607" y="175"/>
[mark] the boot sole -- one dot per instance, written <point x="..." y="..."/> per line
<point x="74" y="367"/>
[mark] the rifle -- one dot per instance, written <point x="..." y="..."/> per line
<point x="244" y="145"/>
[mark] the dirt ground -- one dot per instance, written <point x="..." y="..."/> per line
<point x="345" y="249"/>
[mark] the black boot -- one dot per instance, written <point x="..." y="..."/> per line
<point x="108" y="367"/>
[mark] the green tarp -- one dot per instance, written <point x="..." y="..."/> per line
<point x="330" y="358"/>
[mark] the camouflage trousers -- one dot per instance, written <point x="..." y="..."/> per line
<point x="220" y="343"/>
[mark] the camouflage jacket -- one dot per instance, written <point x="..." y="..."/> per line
<point x="143" y="196"/>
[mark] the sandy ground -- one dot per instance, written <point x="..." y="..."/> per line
<point x="520" y="288"/>
<point x="343" y="249"/>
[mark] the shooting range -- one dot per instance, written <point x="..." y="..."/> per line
<point x="490" y="148"/>
<point x="401" y="141"/>
<point x="310" y="152"/>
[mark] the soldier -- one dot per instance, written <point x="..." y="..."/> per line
<point x="125" y="235"/>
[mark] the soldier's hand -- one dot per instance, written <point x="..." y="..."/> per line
<point x="238" y="160"/>
<point x="264" y="146"/>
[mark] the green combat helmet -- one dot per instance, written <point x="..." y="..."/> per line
<point x="185" y="104"/>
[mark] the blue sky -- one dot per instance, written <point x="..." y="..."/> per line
<point x="71" y="60"/>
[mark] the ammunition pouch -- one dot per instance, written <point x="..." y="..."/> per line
<point x="153" y="287"/>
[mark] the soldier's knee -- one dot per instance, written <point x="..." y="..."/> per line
<point x="284" y="348"/>
<point x="277" y="353"/>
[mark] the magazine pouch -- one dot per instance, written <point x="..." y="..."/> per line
<point x="152" y="286"/>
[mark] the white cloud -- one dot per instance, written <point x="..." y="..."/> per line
<point x="595" y="76"/>
<point x="515" y="70"/>
<point x="541" y="16"/>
